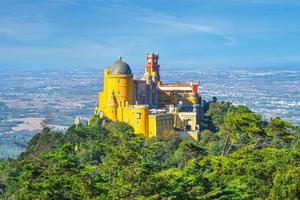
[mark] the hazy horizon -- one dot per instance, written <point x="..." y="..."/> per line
<point x="140" y="67"/>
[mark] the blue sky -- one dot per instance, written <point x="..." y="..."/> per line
<point x="195" y="33"/>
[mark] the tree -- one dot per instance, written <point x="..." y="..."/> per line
<point x="211" y="141"/>
<point x="281" y="132"/>
<point x="109" y="161"/>
<point x="286" y="184"/>
<point x="214" y="117"/>
<point x="186" y="151"/>
<point x="240" y="128"/>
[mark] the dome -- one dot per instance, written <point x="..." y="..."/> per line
<point x="120" y="67"/>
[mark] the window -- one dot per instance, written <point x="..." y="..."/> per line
<point x="138" y="115"/>
<point x="119" y="81"/>
<point x="188" y="127"/>
<point x="137" y="123"/>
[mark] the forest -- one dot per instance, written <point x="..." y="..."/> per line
<point x="239" y="156"/>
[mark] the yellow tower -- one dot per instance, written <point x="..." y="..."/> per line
<point x="116" y="101"/>
<point x="141" y="119"/>
<point x="111" y="106"/>
<point x="118" y="90"/>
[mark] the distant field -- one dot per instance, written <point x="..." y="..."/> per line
<point x="270" y="92"/>
<point x="26" y="97"/>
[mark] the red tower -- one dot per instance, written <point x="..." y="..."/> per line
<point x="152" y="66"/>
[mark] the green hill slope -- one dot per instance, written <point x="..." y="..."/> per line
<point x="240" y="156"/>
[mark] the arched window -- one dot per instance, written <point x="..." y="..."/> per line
<point x="188" y="126"/>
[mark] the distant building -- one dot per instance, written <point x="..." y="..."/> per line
<point x="147" y="104"/>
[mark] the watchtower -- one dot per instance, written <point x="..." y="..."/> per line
<point x="152" y="67"/>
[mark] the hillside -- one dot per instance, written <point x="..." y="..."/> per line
<point x="240" y="156"/>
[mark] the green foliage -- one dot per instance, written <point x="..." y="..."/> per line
<point x="240" y="128"/>
<point x="42" y="142"/>
<point x="214" y="116"/>
<point x="282" y="133"/>
<point x="286" y="184"/>
<point x="239" y="156"/>
<point x="3" y="176"/>
<point x="95" y="121"/>
<point x="186" y="151"/>
<point x="279" y="128"/>
<point x="226" y="128"/>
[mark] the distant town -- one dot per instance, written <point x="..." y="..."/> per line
<point x="28" y="96"/>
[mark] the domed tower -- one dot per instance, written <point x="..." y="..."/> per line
<point x="118" y="80"/>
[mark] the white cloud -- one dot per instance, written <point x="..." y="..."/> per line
<point x="25" y="28"/>
<point x="90" y="46"/>
<point x="163" y="20"/>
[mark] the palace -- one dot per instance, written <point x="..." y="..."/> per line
<point x="147" y="104"/>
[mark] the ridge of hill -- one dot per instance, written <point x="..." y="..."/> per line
<point x="239" y="156"/>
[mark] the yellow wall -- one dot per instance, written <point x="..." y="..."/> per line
<point x="123" y="87"/>
<point x="166" y="98"/>
<point x="141" y="120"/>
<point x="193" y="136"/>
<point x="152" y="126"/>
<point x="159" y="123"/>
<point x="117" y="99"/>
<point x="137" y="116"/>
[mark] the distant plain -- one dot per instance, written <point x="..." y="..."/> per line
<point x="28" y="96"/>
